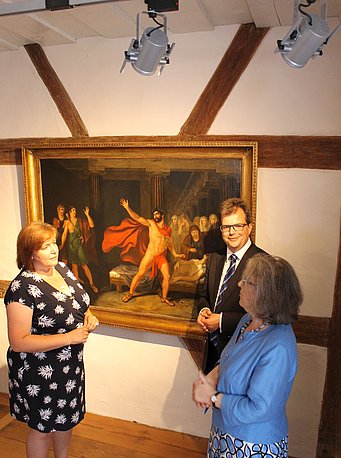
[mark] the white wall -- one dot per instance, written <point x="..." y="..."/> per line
<point x="149" y="376"/>
<point x="298" y="217"/>
<point x="152" y="379"/>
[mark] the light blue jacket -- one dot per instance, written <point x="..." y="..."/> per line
<point x="255" y="376"/>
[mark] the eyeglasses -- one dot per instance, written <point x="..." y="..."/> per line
<point x="244" y="282"/>
<point x="236" y="227"/>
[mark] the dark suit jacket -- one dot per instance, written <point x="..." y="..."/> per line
<point x="207" y="293"/>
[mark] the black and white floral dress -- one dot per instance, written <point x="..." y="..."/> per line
<point x="46" y="389"/>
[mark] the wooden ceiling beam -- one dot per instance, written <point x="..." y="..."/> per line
<point x="223" y="80"/>
<point x="57" y="91"/>
<point x="274" y="151"/>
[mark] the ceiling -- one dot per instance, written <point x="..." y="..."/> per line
<point x="117" y="18"/>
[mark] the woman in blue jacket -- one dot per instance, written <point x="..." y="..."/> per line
<point x="250" y="386"/>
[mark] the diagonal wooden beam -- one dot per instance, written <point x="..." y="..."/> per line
<point x="57" y="91"/>
<point x="228" y="72"/>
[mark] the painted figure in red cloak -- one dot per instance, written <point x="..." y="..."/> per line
<point x="153" y="253"/>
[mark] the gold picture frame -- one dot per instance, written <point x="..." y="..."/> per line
<point x="136" y="167"/>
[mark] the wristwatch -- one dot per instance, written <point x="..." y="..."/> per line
<point x="214" y="398"/>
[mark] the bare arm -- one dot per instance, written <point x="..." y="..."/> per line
<point x="65" y="232"/>
<point x="89" y="218"/>
<point x="19" y="319"/>
<point x="132" y="214"/>
<point x="171" y="248"/>
<point x="55" y="223"/>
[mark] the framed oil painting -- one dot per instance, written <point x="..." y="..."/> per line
<point x="94" y="192"/>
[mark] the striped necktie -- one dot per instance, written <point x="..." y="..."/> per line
<point x="230" y="271"/>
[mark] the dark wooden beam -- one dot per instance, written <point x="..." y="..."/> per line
<point x="274" y="151"/>
<point x="57" y="91"/>
<point x="223" y="80"/>
<point x="312" y="330"/>
<point x="329" y="440"/>
<point x="310" y="152"/>
<point x="289" y="151"/>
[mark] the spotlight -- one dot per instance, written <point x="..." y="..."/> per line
<point x="306" y="37"/>
<point x="150" y="51"/>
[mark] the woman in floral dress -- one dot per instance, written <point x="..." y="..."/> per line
<point x="49" y="321"/>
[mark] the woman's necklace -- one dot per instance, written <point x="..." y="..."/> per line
<point x="246" y="325"/>
<point x="260" y="327"/>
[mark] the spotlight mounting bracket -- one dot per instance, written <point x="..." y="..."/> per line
<point x="162" y="6"/>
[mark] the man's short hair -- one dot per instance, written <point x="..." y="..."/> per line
<point x="162" y="213"/>
<point x="229" y="206"/>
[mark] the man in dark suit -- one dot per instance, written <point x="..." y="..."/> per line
<point x="217" y="299"/>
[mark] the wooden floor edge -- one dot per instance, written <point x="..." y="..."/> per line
<point x="6" y="420"/>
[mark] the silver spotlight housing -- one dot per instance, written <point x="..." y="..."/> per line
<point x="150" y="51"/>
<point x="306" y="37"/>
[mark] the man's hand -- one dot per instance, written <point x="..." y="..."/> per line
<point x="203" y="315"/>
<point x="212" y="322"/>
<point x="208" y="321"/>
<point x="180" y="256"/>
<point x="124" y="202"/>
